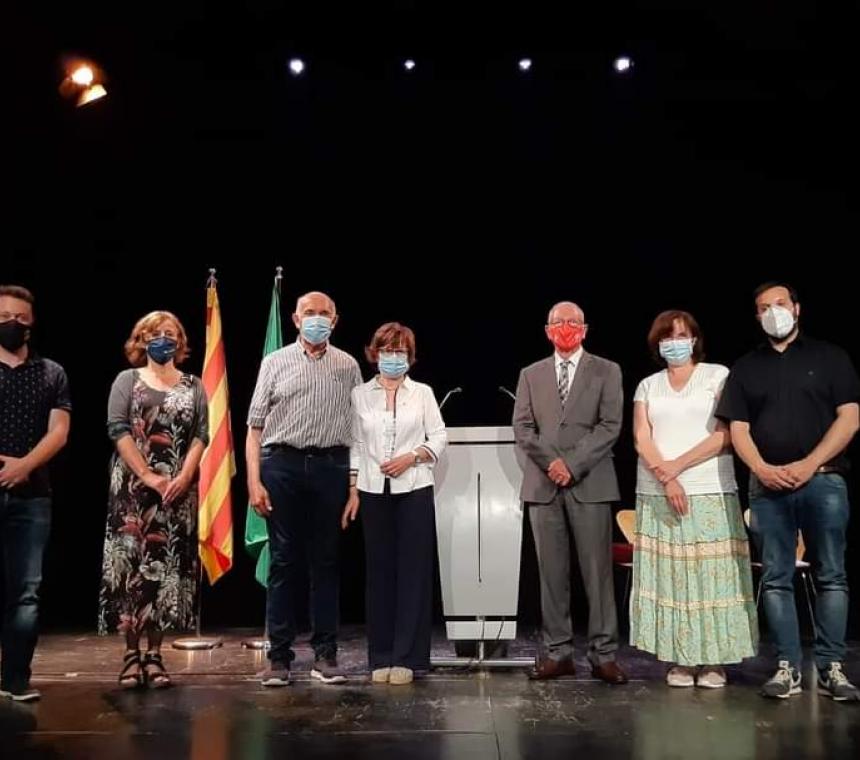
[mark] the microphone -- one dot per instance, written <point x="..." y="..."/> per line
<point x="449" y="394"/>
<point x="502" y="389"/>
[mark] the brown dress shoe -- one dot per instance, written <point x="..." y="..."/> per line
<point x="609" y="672"/>
<point x="548" y="668"/>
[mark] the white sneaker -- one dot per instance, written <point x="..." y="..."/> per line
<point x="680" y="676"/>
<point x="380" y="675"/>
<point x="711" y="677"/>
<point x="785" y="683"/>
<point x="834" y="683"/>
<point x="25" y="695"/>
<point x="400" y="676"/>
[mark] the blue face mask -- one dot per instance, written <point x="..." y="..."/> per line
<point x="316" y="330"/>
<point x="393" y="364"/>
<point x="676" y="351"/>
<point x="161" y="350"/>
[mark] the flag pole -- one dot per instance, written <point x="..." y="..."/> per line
<point x="264" y="643"/>
<point x="199" y="642"/>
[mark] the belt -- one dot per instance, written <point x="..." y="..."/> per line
<point x="825" y="468"/>
<point x="309" y="451"/>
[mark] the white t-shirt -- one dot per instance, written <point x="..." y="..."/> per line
<point x="679" y="421"/>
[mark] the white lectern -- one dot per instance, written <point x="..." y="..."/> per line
<point x="479" y="527"/>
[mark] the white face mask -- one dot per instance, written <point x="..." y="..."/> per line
<point x="778" y="322"/>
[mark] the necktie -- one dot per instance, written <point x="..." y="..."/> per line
<point x="564" y="381"/>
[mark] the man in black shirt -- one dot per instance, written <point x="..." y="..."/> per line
<point x="34" y="426"/>
<point x="792" y="404"/>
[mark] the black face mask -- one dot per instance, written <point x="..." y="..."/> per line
<point x="13" y="334"/>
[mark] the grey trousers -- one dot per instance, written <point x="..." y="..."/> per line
<point x="592" y="532"/>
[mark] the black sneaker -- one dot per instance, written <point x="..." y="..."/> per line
<point x="834" y="683"/>
<point x="23" y="695"/>
<point x="276" y="675"/>
<point x="327" y="671"/>
<point x="784" y="683"/>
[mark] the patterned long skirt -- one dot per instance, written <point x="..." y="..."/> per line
<point x="692" y="601"/>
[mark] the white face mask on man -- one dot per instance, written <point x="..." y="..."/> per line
<point x="778" y="322"/>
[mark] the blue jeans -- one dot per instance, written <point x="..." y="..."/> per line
<point x="308" y="490"/>
<point x="24" y="528"/>
<point x="819" y="510"/>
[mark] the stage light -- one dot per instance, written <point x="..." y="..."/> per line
<point x="525" y="64"/>
<point x="83" y="83"/>
<point x="297" y="66"/>
<point x="90" y="94"/>
<point x="83" y="75"/>
<point x="623" y="64"/>
<point x="409" y="64"/>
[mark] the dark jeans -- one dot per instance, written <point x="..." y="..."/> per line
<point x="308" y="489"/>
<point x="820" y="511"/>
<point x="399" y="544"/>
<point x="24" y="528"/>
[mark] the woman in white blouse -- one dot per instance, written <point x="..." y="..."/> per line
<point x="692" y="603"/>
<point x="398" y="436"/>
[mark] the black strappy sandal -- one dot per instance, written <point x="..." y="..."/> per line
<point x="127" y="678"/>
<point x="154" y="672"/>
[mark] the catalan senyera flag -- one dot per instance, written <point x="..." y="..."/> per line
<point x="218" y="466"/>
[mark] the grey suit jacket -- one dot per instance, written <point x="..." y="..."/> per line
<point x="582" y="433"/>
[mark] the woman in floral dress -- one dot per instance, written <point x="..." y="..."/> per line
<point x="157" y="419"/>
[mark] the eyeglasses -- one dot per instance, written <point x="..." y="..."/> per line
<point x="571" y="322"/>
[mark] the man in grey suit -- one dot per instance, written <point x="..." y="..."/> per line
<point x="567" y="418"/>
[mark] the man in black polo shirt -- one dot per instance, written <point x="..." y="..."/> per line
<point x="34" y="426"/>
<point x="793" y="408"/>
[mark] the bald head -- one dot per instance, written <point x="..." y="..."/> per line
<point x="315" y="303"/>
<point x="566" y="311"/>
<point x="566" y="328"/>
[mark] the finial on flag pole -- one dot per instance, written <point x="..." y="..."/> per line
<point x="211" y="281"/>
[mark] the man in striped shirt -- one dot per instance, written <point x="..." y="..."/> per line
<point x="297" y="451"/>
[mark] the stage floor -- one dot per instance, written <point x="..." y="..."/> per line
<point x="217" y="710"/>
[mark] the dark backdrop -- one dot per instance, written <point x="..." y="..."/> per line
<point x="462" y="199"/>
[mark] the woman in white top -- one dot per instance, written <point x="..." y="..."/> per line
<point x="692" y="603"/>
<point x="398" y="436"/>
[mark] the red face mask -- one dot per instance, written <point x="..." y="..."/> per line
<point x="567" y="338"/>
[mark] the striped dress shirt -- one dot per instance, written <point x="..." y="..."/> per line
<point x="303" y="401"/>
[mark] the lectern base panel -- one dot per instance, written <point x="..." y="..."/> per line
<point x="489" y="630"/>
